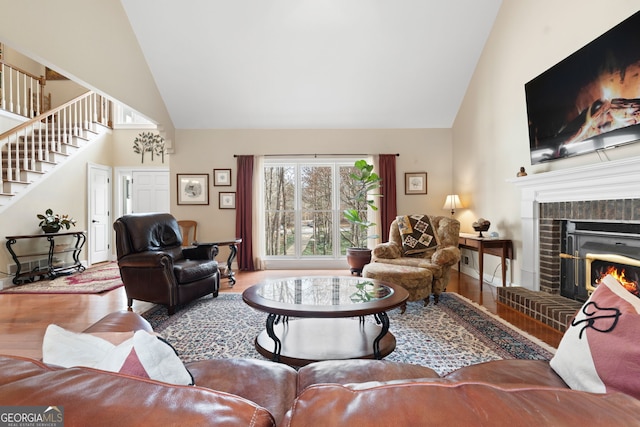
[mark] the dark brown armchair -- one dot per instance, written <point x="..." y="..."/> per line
<point x="156" y="268"/>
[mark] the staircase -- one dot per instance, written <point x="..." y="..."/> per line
<point x="31" y="150"/>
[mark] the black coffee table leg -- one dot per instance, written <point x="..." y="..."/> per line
<point x="271" y="320"/>
<point x="383" y="320"/>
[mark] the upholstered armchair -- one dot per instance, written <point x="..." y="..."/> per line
<point x="156" y="268"/>
<point x="418" y="242"/>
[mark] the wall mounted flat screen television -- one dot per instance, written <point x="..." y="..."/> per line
<point x="589" y="101"/>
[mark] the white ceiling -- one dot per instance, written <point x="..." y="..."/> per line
<point x="312" y="64"/>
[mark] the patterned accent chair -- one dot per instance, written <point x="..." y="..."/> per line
<point x="418" y="261"/>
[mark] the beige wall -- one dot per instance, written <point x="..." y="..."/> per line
<point x="106" y="59"/>
<point x="489" y="139"/>
<point x="201" y="151"/>
<point x="64" y="191"/>
<point x="490" y="135"/>
<point x="124" y="156"/>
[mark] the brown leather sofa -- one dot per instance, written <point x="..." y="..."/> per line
<point x="247" y="392"/>
<point x="156" y="268"/>
<point x="229" y="392"/>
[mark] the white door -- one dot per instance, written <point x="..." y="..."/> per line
<point x="99" y="236"/>
<point x="150" y="191"/>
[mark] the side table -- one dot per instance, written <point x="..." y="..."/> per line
<point x="502" y="248"/>
<point x="233" y="247"/>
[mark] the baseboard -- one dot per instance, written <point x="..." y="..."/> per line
<point x="489" y="279"/>
<point x="6" y="283"/>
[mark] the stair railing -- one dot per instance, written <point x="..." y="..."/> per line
<point x="20" y="91"/>
<point x="37" y="140"/>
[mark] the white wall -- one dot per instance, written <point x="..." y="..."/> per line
<point x="490" y="134"/>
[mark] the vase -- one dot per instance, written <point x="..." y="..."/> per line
<point x="357" y="259"/>
<point x="53" y="228"/>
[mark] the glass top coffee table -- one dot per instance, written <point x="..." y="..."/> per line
<point x="329" y="318"/>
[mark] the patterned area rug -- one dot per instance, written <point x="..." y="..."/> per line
<point x="444" y="337"/>
<point x="94" y="280"/>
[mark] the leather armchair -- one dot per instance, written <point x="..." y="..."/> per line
<point x="156" y="268"/>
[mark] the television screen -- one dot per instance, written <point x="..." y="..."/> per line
<point x="590" y="100"/>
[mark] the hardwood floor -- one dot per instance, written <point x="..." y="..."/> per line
<point x="24" y="318"/>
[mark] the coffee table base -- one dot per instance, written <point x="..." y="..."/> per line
<point x="310" y="340"/>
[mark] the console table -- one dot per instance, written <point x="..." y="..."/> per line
<point x="51" y="270"/>
<point x="502" y="248"/>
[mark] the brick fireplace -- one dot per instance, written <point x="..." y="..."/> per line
<point x="603" y="192"/>
<point x="555" y="214"/>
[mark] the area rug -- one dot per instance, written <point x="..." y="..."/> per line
<point x="94" y="280"/>
<point x="454" y="333"/>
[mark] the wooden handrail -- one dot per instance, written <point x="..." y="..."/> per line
<point x="43" y="116"/>
<point x="41" y="139"/>
<point x="41" y="79"/>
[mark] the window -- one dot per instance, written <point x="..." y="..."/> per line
<point x="303" y="203"/>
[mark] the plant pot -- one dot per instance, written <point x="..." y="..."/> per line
<point x="357" y="259"/>
<point x="50" y="228"/>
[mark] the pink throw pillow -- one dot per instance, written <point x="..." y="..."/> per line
<point x="600" y="352"/>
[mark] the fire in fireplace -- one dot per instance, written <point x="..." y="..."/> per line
<point x="624" y="269"/>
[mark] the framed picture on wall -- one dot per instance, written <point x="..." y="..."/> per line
<point x="193" y="189"/>
<point x="227" y="200"/>
<point x="222" y="177"/>
<point x="415" y="183"/>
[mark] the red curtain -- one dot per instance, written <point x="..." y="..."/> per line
<point x="244" y="212"/>
<point x="388" y="205"/>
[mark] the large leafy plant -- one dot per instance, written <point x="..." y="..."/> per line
<point x="364" y="184"/>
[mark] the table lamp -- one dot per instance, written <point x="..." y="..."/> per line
<point x="452" y="202"/>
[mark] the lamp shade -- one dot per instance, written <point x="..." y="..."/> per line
<point x="452" y="202"/>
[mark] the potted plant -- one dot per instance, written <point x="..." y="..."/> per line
<point x="52" y="223"/>
<point x="363" y="184"/>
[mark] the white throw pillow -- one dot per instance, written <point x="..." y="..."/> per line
<point x="144" y="355"/>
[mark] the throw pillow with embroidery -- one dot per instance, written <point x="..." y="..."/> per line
<point x="600" y="353"/>
<point x="417" y="234"/>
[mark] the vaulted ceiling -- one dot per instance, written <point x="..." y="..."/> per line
<point x="311" y="64"/>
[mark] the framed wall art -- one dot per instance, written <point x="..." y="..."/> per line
<point x="227" y="200"/>
<point x="415" y="183"/>
<point x="222" y="177"/>
<point x="193" y="189"/>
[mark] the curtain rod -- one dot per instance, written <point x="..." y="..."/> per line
<point x="314" y="155"/>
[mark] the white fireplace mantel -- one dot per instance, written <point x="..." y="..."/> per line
<point x="611" y="180"/>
